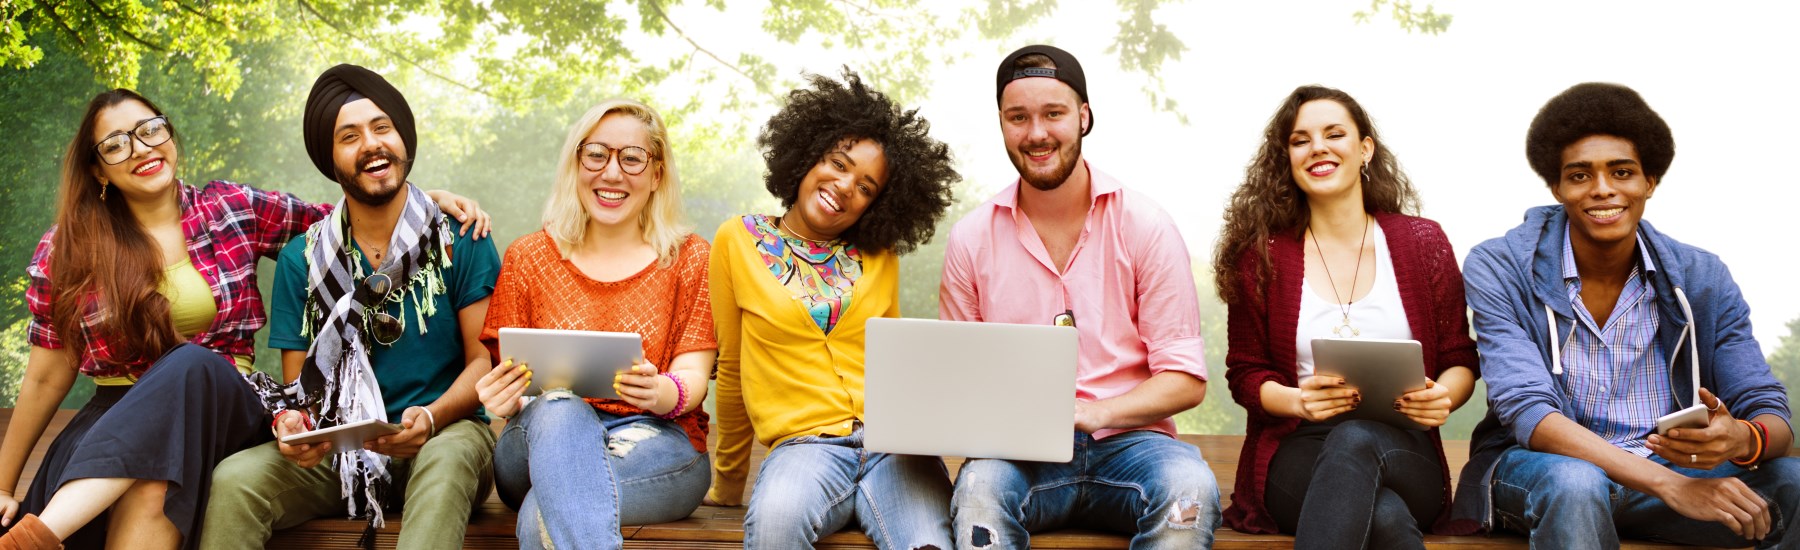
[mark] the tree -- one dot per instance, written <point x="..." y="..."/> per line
<point x="1785" y="361"/>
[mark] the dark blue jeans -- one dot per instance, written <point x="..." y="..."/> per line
<point x="1356" y="484"/>
<point x="1564" y="502"/>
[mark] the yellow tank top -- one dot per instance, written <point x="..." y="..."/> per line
<point x="191" y="307"/>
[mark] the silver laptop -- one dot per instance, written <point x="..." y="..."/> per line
<point x="977" y="390"/>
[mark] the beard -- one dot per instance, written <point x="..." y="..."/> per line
<point x="376" y="197"/>
<point x="1066" y="158"/>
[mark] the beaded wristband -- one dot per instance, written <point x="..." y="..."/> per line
<point x="305" y="421"/>
<point x="681" y="396"/>
<point x="1760" y="436"/>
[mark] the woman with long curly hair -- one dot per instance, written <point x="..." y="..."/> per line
<point x="862" y="182"/>
<point x="1322" y="240"/>
<point x="148" y="286"/>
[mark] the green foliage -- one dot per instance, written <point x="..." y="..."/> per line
<point x="1427" y="21"/>
<point x="1786" y="361"/>
<point x="14" y="349"/>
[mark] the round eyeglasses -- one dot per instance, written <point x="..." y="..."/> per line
<point x="383" y="327"/>
<point x="118" y="146"/>
<point x="595" y="155"/>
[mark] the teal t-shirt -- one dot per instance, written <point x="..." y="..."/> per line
<point x="417" y="368"/>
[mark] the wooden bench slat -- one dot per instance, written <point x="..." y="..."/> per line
<point x="712" y="527"/>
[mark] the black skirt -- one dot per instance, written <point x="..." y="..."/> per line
<point x="183" y="416"/>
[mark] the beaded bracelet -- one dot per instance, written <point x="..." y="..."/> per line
<point x="1761" y="441"/>
<point x="681" y="396"/>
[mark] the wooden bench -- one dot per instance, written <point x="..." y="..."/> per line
<point x="710" y="527"/>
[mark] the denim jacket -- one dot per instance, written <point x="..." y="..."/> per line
<point x="1510" y="280"/>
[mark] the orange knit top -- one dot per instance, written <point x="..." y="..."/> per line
<point x="669" y="306"/>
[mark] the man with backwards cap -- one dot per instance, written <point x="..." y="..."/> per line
<point x="1594" y="325"/>
<point x="1115" y="268"/>
<point x="377" y="309"/>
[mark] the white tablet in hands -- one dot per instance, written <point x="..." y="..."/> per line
<point x="582" y="361"/>
<point x="345" y="436"/>
<point x="1382" y="370"/>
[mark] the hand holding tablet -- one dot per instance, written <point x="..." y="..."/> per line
<point x="585" y="362"/>
<point x="1381" y="371"/>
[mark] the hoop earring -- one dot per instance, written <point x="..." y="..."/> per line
<point x="103" y="186"/>
<point x="1365" y="172"/>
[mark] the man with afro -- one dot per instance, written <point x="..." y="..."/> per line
<point x="1627" y="395"/>
<point x="1067" y="244"/>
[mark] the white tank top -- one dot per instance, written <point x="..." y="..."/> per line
<point x="1378" y="315"/>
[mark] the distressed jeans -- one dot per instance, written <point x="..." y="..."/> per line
<point x="811" y="486"/>
<point x="1143" y="483"/>
<point x="595" y="471"/>
<point x="1563" y="502"/>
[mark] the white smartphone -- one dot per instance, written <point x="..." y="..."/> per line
<point x="1691" y="417"/>
<point x="345" y="436"/>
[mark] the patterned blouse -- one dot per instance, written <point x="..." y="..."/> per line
<point x="820" y="274"/>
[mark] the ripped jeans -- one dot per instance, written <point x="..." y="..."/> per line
<point x="596" y="471"/>
<point x="1142" y="483"/>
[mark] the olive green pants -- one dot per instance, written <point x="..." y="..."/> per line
<point x="257" y="491"/>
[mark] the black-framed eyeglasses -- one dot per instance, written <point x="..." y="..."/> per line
<point x="1064" y="319"/>
<point x="117" y="146"/>
<point x="594" y="156"/>
<point x="383" y="327"/>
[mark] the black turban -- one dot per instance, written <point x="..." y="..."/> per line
<point x="343" y="84"/>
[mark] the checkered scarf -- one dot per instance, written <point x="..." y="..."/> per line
<point x="337" y="381"/>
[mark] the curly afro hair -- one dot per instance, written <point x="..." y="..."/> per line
<point x="1598" y="108"/>
<point x="920" y="173"/>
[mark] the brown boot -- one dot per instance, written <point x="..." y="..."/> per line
<point x="30" y="533"/>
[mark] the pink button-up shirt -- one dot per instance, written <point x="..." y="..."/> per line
<point x="1128" y="282"/>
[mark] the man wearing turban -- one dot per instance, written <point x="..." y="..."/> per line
<point x="378" y="310"/>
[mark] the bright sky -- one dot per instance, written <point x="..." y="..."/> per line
<point x="1453" y="107"/>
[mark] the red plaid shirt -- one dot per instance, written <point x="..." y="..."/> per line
<point x="228" y="227"/>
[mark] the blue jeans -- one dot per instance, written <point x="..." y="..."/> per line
<point x="1140" y="482"/>
<point x="597" y="472"/>
<point x="1564" y="502"/>
<point x="1355" y="484"/>
<point x="810" y="486"/>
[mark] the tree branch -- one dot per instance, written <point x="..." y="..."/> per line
<point x="122" y="30"/>
<point x="761" y="87"/>
<point x="409" y="61"/>
<point x="202" y="15"/>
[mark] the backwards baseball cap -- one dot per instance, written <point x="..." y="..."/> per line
<point x="343" y="84"/>
<point x="1067" y="69"/>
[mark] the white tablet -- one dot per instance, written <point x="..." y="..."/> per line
<point x="581" y="361"/>
<point x="1382" y="370"/>
<point x="345" y="436"/>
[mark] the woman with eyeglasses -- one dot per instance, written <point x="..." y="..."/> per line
<point x="614" y="256"/>
<point x="863" y="181"/>
<point x="147" y="285"/>
<point x="1321" y="241"/>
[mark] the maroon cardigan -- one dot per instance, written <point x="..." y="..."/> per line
<point x="1262" y="345"/>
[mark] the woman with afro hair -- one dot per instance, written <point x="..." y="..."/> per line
<point x="862" y="181"/>
<point x="1595" y="327"/>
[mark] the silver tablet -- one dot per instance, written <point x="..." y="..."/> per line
<point x="1382" y="370"/>
<point x="581" y="361"/>
<point x="347" y="436"/>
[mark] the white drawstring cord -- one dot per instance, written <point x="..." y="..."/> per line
<point x="1555" y="349"/>
<point x="1692" y="338"/>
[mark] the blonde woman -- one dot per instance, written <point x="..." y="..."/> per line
<point x="613" y="256"/>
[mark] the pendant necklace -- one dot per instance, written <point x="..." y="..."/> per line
<point x="1343" y="306"/>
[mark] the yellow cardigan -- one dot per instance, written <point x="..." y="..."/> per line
<point x="779" y="375"/>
